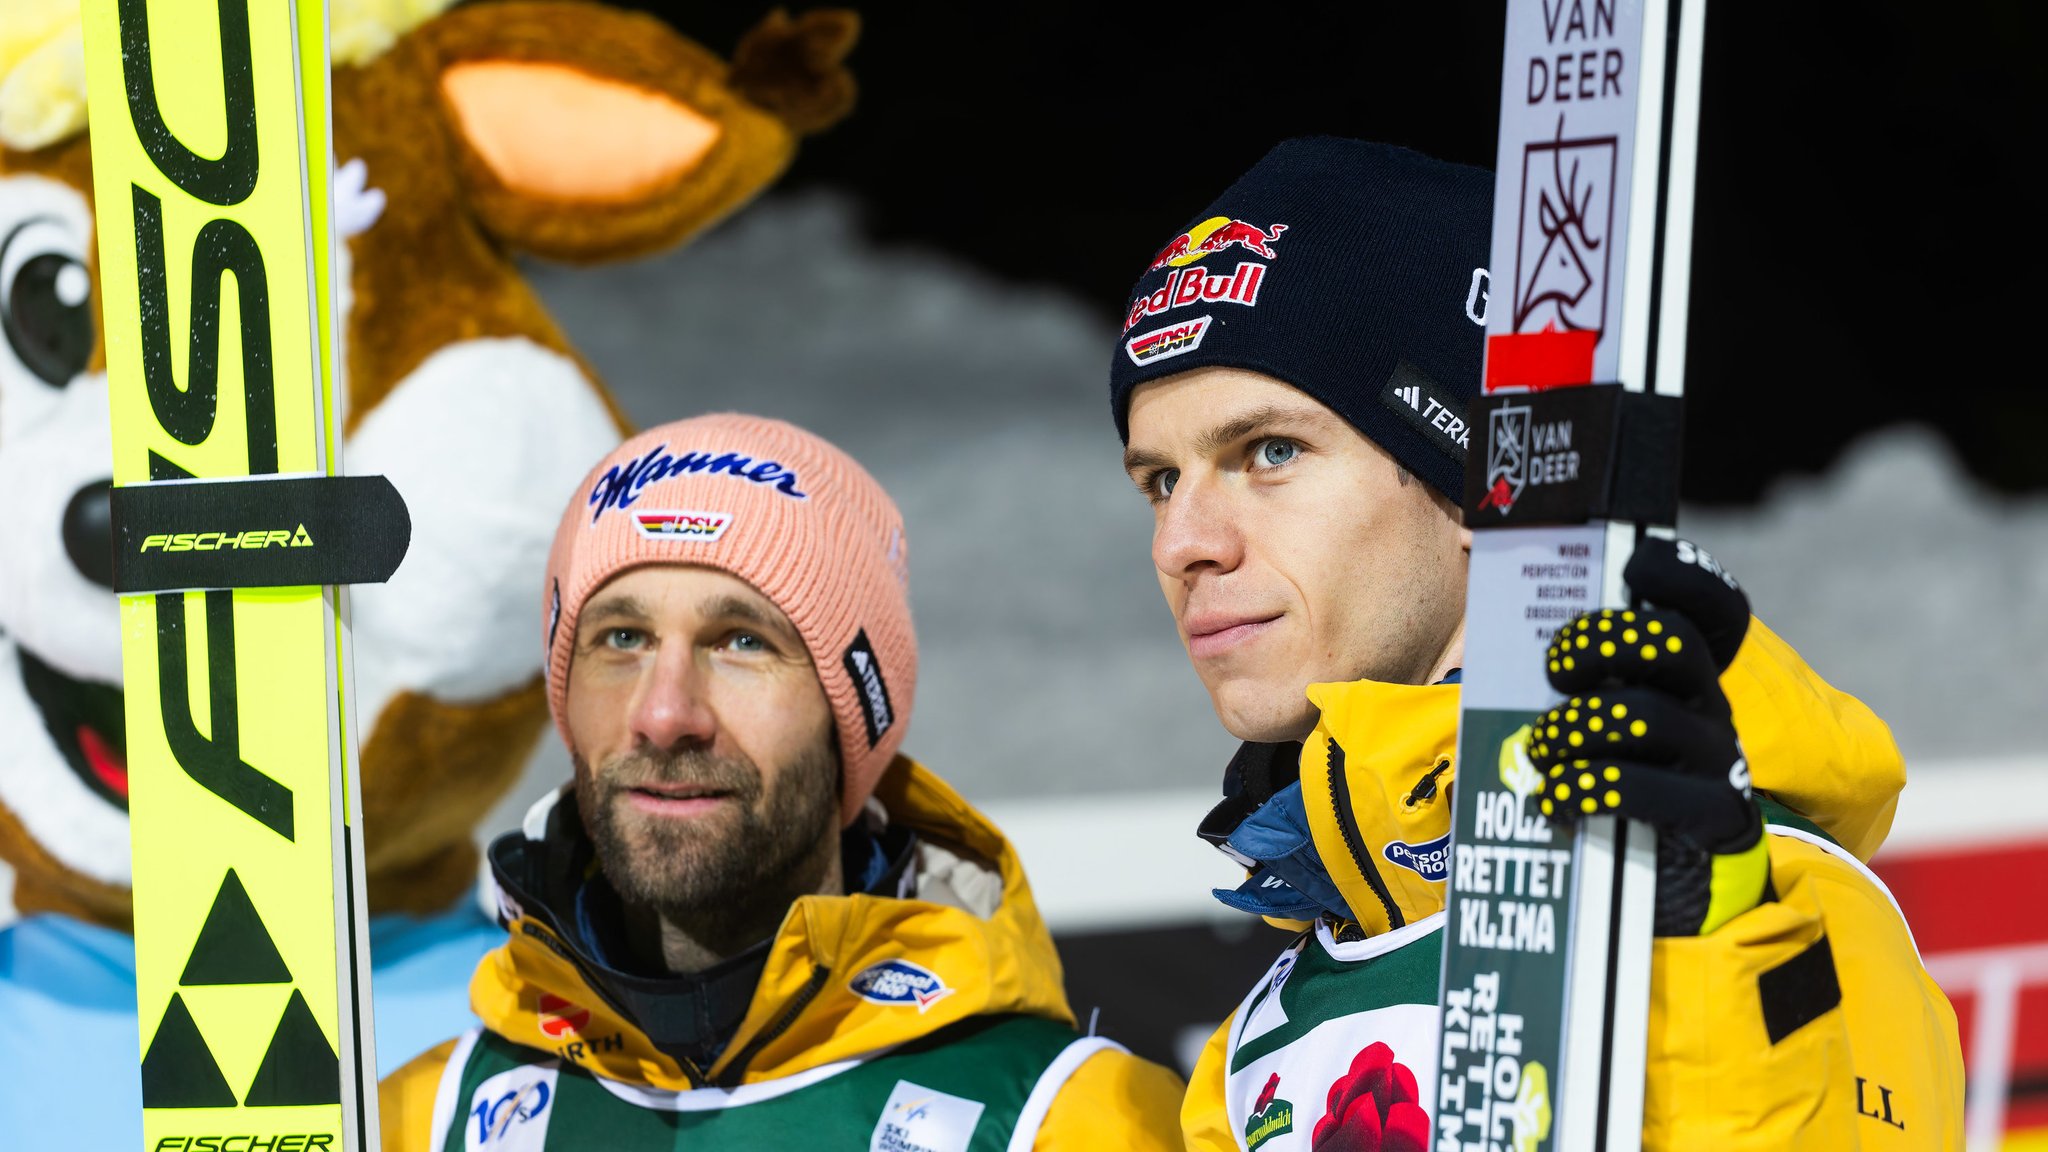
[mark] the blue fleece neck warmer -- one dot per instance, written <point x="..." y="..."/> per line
<point x="1288" y="880"/>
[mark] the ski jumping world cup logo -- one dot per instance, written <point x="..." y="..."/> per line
<point x="1507" y="456"/>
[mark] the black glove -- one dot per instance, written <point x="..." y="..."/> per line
<point x="1646" y="732"/>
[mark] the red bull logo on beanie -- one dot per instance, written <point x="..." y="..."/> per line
<point x="683" y="525"/>
<point x="1214" y="235"/>
<point x="1164" y="343"/>
<point x="1187" y="286"/>
<point x="899" y="982"/>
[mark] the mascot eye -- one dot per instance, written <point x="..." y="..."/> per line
<point x="46" y="300"/>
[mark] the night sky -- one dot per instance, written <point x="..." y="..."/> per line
<point x="1866" y="248"/>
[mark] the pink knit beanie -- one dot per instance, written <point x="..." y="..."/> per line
<point x="782" y="510"/>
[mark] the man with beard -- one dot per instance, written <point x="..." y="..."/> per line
<point x="1291" y="391"/>
<point x="751" y="923"/>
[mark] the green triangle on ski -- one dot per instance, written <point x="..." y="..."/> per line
<point x="300" y="1067"/>
<point x="233" y="946"/>
<point x="179" y="1070"/>
<point x="301" y="540"/>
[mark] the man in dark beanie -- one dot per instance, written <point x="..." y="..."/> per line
<point x="1291" y="386"/>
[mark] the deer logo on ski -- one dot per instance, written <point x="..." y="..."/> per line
<point x="1561" y="266"/>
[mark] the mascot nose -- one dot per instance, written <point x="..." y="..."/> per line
<point x="89" y="532"/>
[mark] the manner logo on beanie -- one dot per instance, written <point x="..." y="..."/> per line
<point x="796" y="519"/>
<point x="1357" y="279"/>
<point x="622" y="483"/>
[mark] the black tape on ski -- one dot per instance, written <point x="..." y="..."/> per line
<point x="283" y="533"/>
<point x="1570" y="455"/>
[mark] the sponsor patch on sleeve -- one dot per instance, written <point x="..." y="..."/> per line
<point x="1429" y="408"/>
<point x="1430" y="860"/>
<point x="899" y="982"/>
<point x="1168" y="342"/>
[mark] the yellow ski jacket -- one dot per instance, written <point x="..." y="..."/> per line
<point x="871" y="1012"/>
<point x="1738" y="1057"/>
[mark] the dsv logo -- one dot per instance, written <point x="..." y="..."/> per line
<point x="187" y="415"/>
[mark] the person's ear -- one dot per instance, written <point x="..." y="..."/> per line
<point x="587" y="133"/>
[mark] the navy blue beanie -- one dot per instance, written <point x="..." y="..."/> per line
<point x="1352" y="271"/>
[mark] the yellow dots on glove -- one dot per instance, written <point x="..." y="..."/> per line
<point x="1583" y="792"/>
<point x="1620" y="711"/>
<point x="1595" y="724"/>
<point x="1649" y="652"/>
<point x="1638" y="728"/>
<point x="1607" y="647"/>
<point x="1628" y="636"/>
<point x="1656" y="627"/>
<point x="1672" y="645"/>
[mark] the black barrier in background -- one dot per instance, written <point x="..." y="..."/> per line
<point x="1148" y="989"/>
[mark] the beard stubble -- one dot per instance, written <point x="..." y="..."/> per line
<point x="726" y="872"/>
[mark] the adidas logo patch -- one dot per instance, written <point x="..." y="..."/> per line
<point x="1429" y="408"/>
<point x="871" y="690"/>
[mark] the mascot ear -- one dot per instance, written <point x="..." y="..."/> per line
<point x="796" y="68"/>
<point x="587" y="133"/>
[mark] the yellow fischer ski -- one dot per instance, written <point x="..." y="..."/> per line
<point x="234" y="536"/>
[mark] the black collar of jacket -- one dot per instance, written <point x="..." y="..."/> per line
<point x="690" y="1017"/>
<point x="1254" y="775"/>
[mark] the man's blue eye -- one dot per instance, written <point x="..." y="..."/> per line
<point x="1274" y="453"/>
<point x="1167" y="480"/>
<point x="748" y="642"/>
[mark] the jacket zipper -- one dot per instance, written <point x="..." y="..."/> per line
<point x="1425" y="788"/>
<point x="809" y="992"/>
<point x="1354" y="840"/>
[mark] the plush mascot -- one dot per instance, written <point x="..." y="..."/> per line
<point x="568" y="130"/>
